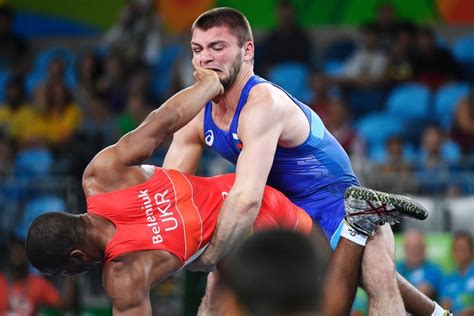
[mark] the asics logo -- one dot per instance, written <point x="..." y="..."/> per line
<point x="209" y="138"/>
<point x="352" y="232"/>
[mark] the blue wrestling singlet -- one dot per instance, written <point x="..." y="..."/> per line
<point x="313" y="175"/>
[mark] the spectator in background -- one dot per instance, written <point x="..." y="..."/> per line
<point x="433" y="166"/>
<point x="400" y="67"/>
<point x="396" y="163"/>
<point x="113" y="83"/>
<point x="387" y="21"/>
<point x="23" y="293"/>
<point x="56" y="70"/>
<point x="97" y="130"/>
<point x="61" y="116"/>
<point x="463" y="125"/>
<point x="17" y="118"/>
<point x="366" y="67"/>
<point x="140" y="85"/>
<point x="394" y="168"/>
<point x="434" y="65"/>
<point x="458" y="288"/>
<point x="339" y="124"/>
<point x="136" y="111"/>
<point x="182" y="72"/>
<point x="273" y="273"/>
<point x="136" y="36"/>
<point x="288" y="42"/>
<point x="14" y="50"/>
<point x="416" y="268"/>
<point x="323" y="98"/>
<point x="88" y="72"/>
<point x="6" y="156"/>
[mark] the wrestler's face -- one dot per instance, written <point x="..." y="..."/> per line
<point x="218" y="49"/>
<point x="76" y="269"/>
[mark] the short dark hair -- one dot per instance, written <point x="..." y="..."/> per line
<point x="233" y="19"/>
<point x="51" y="237"/>
<point x="276" y="272"/>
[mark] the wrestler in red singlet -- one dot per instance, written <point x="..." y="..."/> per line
<point x="178" y="213"/>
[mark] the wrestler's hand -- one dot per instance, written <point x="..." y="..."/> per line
<point x="209" y="76"/>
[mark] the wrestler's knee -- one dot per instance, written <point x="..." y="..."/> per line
<point x="378" y="267"/>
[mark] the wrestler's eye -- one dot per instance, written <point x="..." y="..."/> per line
<point x="197" y="50"/>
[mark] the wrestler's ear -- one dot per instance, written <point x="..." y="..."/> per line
<point x="77" y="255"/>
<point x="249" y="50"/>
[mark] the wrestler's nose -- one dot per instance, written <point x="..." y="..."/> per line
<point x="205" y="57"/>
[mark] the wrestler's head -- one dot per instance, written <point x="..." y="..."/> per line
<point x="55" y="244"/>
<point x="222" y="40"/>
<point x="275" y="272"/>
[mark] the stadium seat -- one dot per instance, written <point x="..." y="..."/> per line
<point x="445" y="101"/>
<point x="35" y="208"/>
<point x="333" y="67"/>
<point x="47" y="55"/>
<point x="339" y="50"/>
<point x="293" y="77"/>
<point x="376" y="128"/>
<point x="162" y="71"/>
<point x="363" y="101"/>
<point x="41" y="64"/>
<point x="33" y="163"/>
<point x="4" y="76"/>
<point x="410" y="101"/>
<point x="463" y="49"/>
<point x="335" y="55"/>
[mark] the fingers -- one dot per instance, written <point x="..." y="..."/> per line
<point x="195" y="63"/>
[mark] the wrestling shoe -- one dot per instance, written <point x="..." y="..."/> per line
<point x="366" y="209"/>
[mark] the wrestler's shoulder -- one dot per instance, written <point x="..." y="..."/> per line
<point x="266" y="98"/>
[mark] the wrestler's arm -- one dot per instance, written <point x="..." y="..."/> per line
<point x="186" y="148"/>
<point x="260" y="127"/>
<point x="136" y="146"/>
<point x="127" y="286"/>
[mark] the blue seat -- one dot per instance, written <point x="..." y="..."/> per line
<point x="410" y="101"/>
<point x="4" y="76"/>
<point x="35" y="208"/>
<point x="363" y="101"/>
<point x="161" y="80"/>
<point x="376" y="128"/>
<point x="339" y="50"/>
<point x="333" y="67"/>
<point x="445" y="101"/>
<point x="44" y="58"/>
<point x="39" y="72"/>
<point x="293" y="77"/>
<point x="463" y="49"/>
<point x="33" y="163"/>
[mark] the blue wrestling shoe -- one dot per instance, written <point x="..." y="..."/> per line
<point x="366" y="209"/>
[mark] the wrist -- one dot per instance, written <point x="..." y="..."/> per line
<point x="213" y="86"/>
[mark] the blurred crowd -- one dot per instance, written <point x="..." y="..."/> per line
<point x="398" y="97"/>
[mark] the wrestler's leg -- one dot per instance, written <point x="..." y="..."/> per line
<point x="211" y="302"/>
<point x="378" y="275"/>
<point x="367" y="209"/>
<point x="416" y="303"/>
<point x="342" y="278"/>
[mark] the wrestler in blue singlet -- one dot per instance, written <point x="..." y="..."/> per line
<point x="313" y="175"/>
